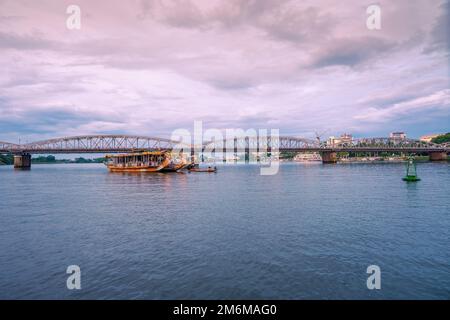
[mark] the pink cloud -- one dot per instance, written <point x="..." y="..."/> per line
<point x="149" y="67"/>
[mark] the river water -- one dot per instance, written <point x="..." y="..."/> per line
<point x="308" y="232"/>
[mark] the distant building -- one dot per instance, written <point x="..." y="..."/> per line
<point x="332" y="141"/>
<point x="344" y="139"/>
<point x="398" y="135"/>
<point x="429" y="137"/>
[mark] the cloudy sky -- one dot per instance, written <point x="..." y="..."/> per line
<point x="151" y="66"/>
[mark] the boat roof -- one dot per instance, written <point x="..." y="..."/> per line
<point x="145" y="153"/>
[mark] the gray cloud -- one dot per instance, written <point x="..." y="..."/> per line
<point x="440" y="34"/>
<point x="350" y="52"/>
<point x="26" y="42"/>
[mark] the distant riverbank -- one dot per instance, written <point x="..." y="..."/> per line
<point x="371" y="159"/>
<point x="9" y="160"/>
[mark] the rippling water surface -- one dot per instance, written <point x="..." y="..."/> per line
<point x="308" y="232"/>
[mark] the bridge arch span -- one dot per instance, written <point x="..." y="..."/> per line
<point x="297" y="144"/>
<point x="253" y="143"/>
<point x="99" y="144"/>
<point x="6" y="146"/>
<point x="393" y="142"/>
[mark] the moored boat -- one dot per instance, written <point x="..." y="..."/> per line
<point x="196" y="168"/>
<point x="175" y="166"/>
<point x="150" y="161"/>
<point x="308" y="157"/>
<point x="203" y="170"/>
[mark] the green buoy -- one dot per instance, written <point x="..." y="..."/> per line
<point x="411" y="174"/>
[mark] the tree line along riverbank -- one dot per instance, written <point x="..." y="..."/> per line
<point x="8" y="159"/>
<point x="442" y="138"/>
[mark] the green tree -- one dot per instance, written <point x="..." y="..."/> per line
<point x="6" y="159"/>
<point x="442" y="138"/>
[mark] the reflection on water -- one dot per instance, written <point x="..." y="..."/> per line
<point x="308" y="232"/>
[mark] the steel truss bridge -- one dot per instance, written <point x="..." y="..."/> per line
<point x="130" y="143"/>
<point x="293" y="144"/>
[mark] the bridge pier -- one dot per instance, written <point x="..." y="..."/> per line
<point x="329" y="157"/>
<point x="247" y="150"/>
<point x="224" y="151"/>
<point x="235" y="149"/>
<point x="22" y="161"/>
<point x="438" y="156"/>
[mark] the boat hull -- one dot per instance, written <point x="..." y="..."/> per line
<point x="174" y="167"/>
<point x="113" y="168"/>
<point x="203" y="170"/>
<point x="134" y="169"/>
